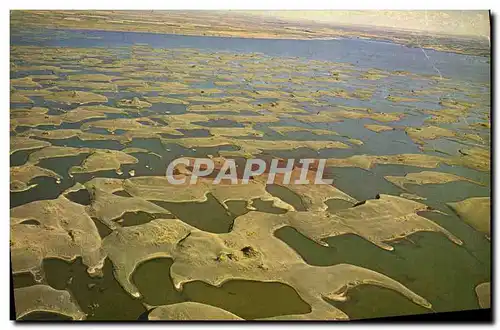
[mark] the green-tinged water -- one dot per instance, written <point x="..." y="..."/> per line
<point x="115" y="112"/>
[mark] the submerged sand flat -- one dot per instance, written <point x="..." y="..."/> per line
<point x="94" y="128"/>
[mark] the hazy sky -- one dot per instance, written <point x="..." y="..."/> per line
<point x="457" y="22"/>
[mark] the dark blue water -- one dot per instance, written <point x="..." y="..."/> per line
<point x="362" y="53"/>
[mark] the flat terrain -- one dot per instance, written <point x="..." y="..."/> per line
<point x="98" y="233"/>
<point x="243" y="25"/>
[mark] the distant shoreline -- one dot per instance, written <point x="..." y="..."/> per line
<point x="215" y="24"/>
